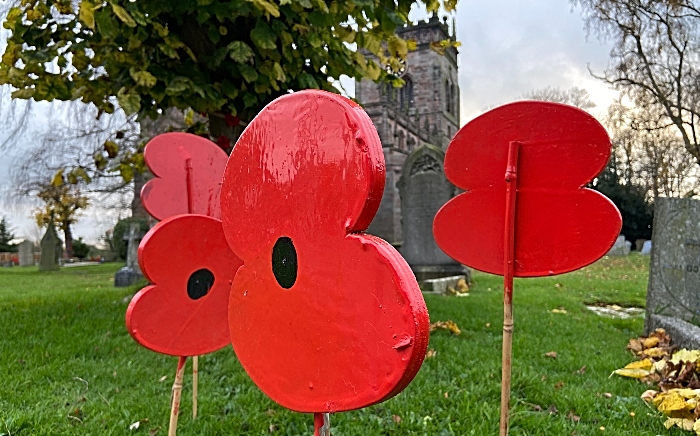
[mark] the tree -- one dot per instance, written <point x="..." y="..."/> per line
<point x="651" y="157"/>
<point x="81" y="250"/>
<point x="6" y="236"/>
<point x="575" y="96"/>
<point x="655" y="59"/>
<point x="64" y="203"/>
<point x="225" y="59"/>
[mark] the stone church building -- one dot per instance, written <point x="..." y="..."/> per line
<point x="425" y="111"/>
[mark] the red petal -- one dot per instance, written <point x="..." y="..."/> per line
<point x="188" y="172"/>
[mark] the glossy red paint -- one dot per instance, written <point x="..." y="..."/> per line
<point x="560" y="226"/>
<point x="188" y="170"/>
<point x="323" y="317"/>
<point x="184" y="312"/>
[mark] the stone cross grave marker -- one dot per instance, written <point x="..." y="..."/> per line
<point x="26" y="253"/>
<point x="424" y="189"/>
<point x="131" y="272"/>
<point x="673" y="296"/>
<point x="51" y="249"/>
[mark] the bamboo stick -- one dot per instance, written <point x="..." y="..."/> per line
<point x="177" y="394"/>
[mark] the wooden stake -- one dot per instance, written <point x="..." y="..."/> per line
<point x="195" y="380"/>
<point x="322" y="424"/>
<point x="509" y="270"/>
<point x="177" y="393"/>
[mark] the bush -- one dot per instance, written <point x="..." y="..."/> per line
<point x="81" y="250"/>
<point x="119" y="245"/>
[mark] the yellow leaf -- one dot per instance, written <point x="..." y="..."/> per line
<point x="57" y="178"/>
<point x="668" y="402"/>
<point x="696" y="427"/>
<point x="86" y="14"/>
<point x="123" y="15"/>
<point x="397" y="47"/>
<point x="645" y="364"/>
<point x="651" y="342"/>
<point x="654" y="352"/>
<point x="685" y="356"/>
<point x="632" y="373"/>
<point x="268" y="7"/>
<point x="688" y="393"/>
<point x="412" y="44"/>
<point x="685" y="424"/>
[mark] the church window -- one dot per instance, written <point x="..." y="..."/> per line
<point x="406" y="94"/>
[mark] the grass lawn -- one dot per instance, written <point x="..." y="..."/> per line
<point x="68" y="366"/>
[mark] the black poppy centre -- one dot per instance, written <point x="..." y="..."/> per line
<point x="284" y="262"/>
<point x="199" y="283"/>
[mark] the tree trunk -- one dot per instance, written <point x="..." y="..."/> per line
<point x="69" y="240"/>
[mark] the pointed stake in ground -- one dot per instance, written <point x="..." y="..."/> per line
<point x="322" y="424"/>
<point x="195" y="380"/>
<point x="177" y="394"/>
<point x="509" y="269"/>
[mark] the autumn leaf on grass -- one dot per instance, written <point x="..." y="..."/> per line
<point x="445" y="325"/>
<point x="685" y="424"/>
<point x="671" y="401"/>
<point x="638" y="369"/>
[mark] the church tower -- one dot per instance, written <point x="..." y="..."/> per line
<point x="424" y="111"/>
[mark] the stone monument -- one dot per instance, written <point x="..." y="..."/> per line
<point x="424" y="189"/>
<point x="129" y="274"/>
<point x="51" y="249"/>
<point x="673" y="295"/>
<point x="25" y="251"/>
<point x="622" y="247"/>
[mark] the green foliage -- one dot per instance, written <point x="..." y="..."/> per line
<point x="119" y="245"/>
<point x="81" y="250"/>
<point x="637" y="212"/>
<point x="5" y="237"/>
<point x="225" y="57"/>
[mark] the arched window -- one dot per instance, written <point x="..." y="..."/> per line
<point x="453" y="99"/>
<point x="448" y="101"/>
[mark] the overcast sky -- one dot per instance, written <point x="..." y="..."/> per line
<point x="508" y="49"/>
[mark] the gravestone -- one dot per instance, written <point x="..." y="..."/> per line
<point x="424" y="189"/>
<point x="639" y="244"/>
<point x="621" y="248"/>
<point x="51" y="249"/>
<point x="25" y="251"/>
<point x="129" y="274"/>
<point x="646" y="248"/>
<point x="673" y="295"/>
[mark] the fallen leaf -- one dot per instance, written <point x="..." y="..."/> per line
<point x="396" y="418"/>
<point x="571" y="416"/>
<point x="451" y="326"/>
<point x="558" y="310"/>
<point x="551" y="354"/>
<point x="685" y="424"/>
<point x="430" y="354"/>
<point x="446" y="394"/>
<point x="668" y="402"/>
<point x="162" y="379"/>
<point x="582" y="370"/>
<point x="559" y="385"/>
<point x="607" y="395"/>
<point x="651" y="342"/>
<point x="685" y="356"/>
<point x="649" y="395"/>
<point x="552" y="409"/>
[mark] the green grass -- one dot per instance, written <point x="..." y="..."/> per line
<point x="68" y="366"/>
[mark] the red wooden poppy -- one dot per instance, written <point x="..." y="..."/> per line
<point x="188" y="170"/>
<point x="323" y="317"/>
<point x="560" y="225"/>
<point x="184" y="312"/>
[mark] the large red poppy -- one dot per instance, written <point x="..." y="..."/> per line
<point x="560" y="225"/>
<point x="323" y="317"/>
<point x="184" y="312"/>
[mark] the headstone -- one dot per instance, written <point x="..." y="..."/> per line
<point x="26" y="253"/>
<point x="646" y="248"/>
<point x="673" y="295"/>
<point x="639" y="244"/>
<point x="51" y="249"/>
<point x="129" y="274"/>
<point x="621" y="248"/>
<point x="442" y="285"/>
<point x="424" y="190"/>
